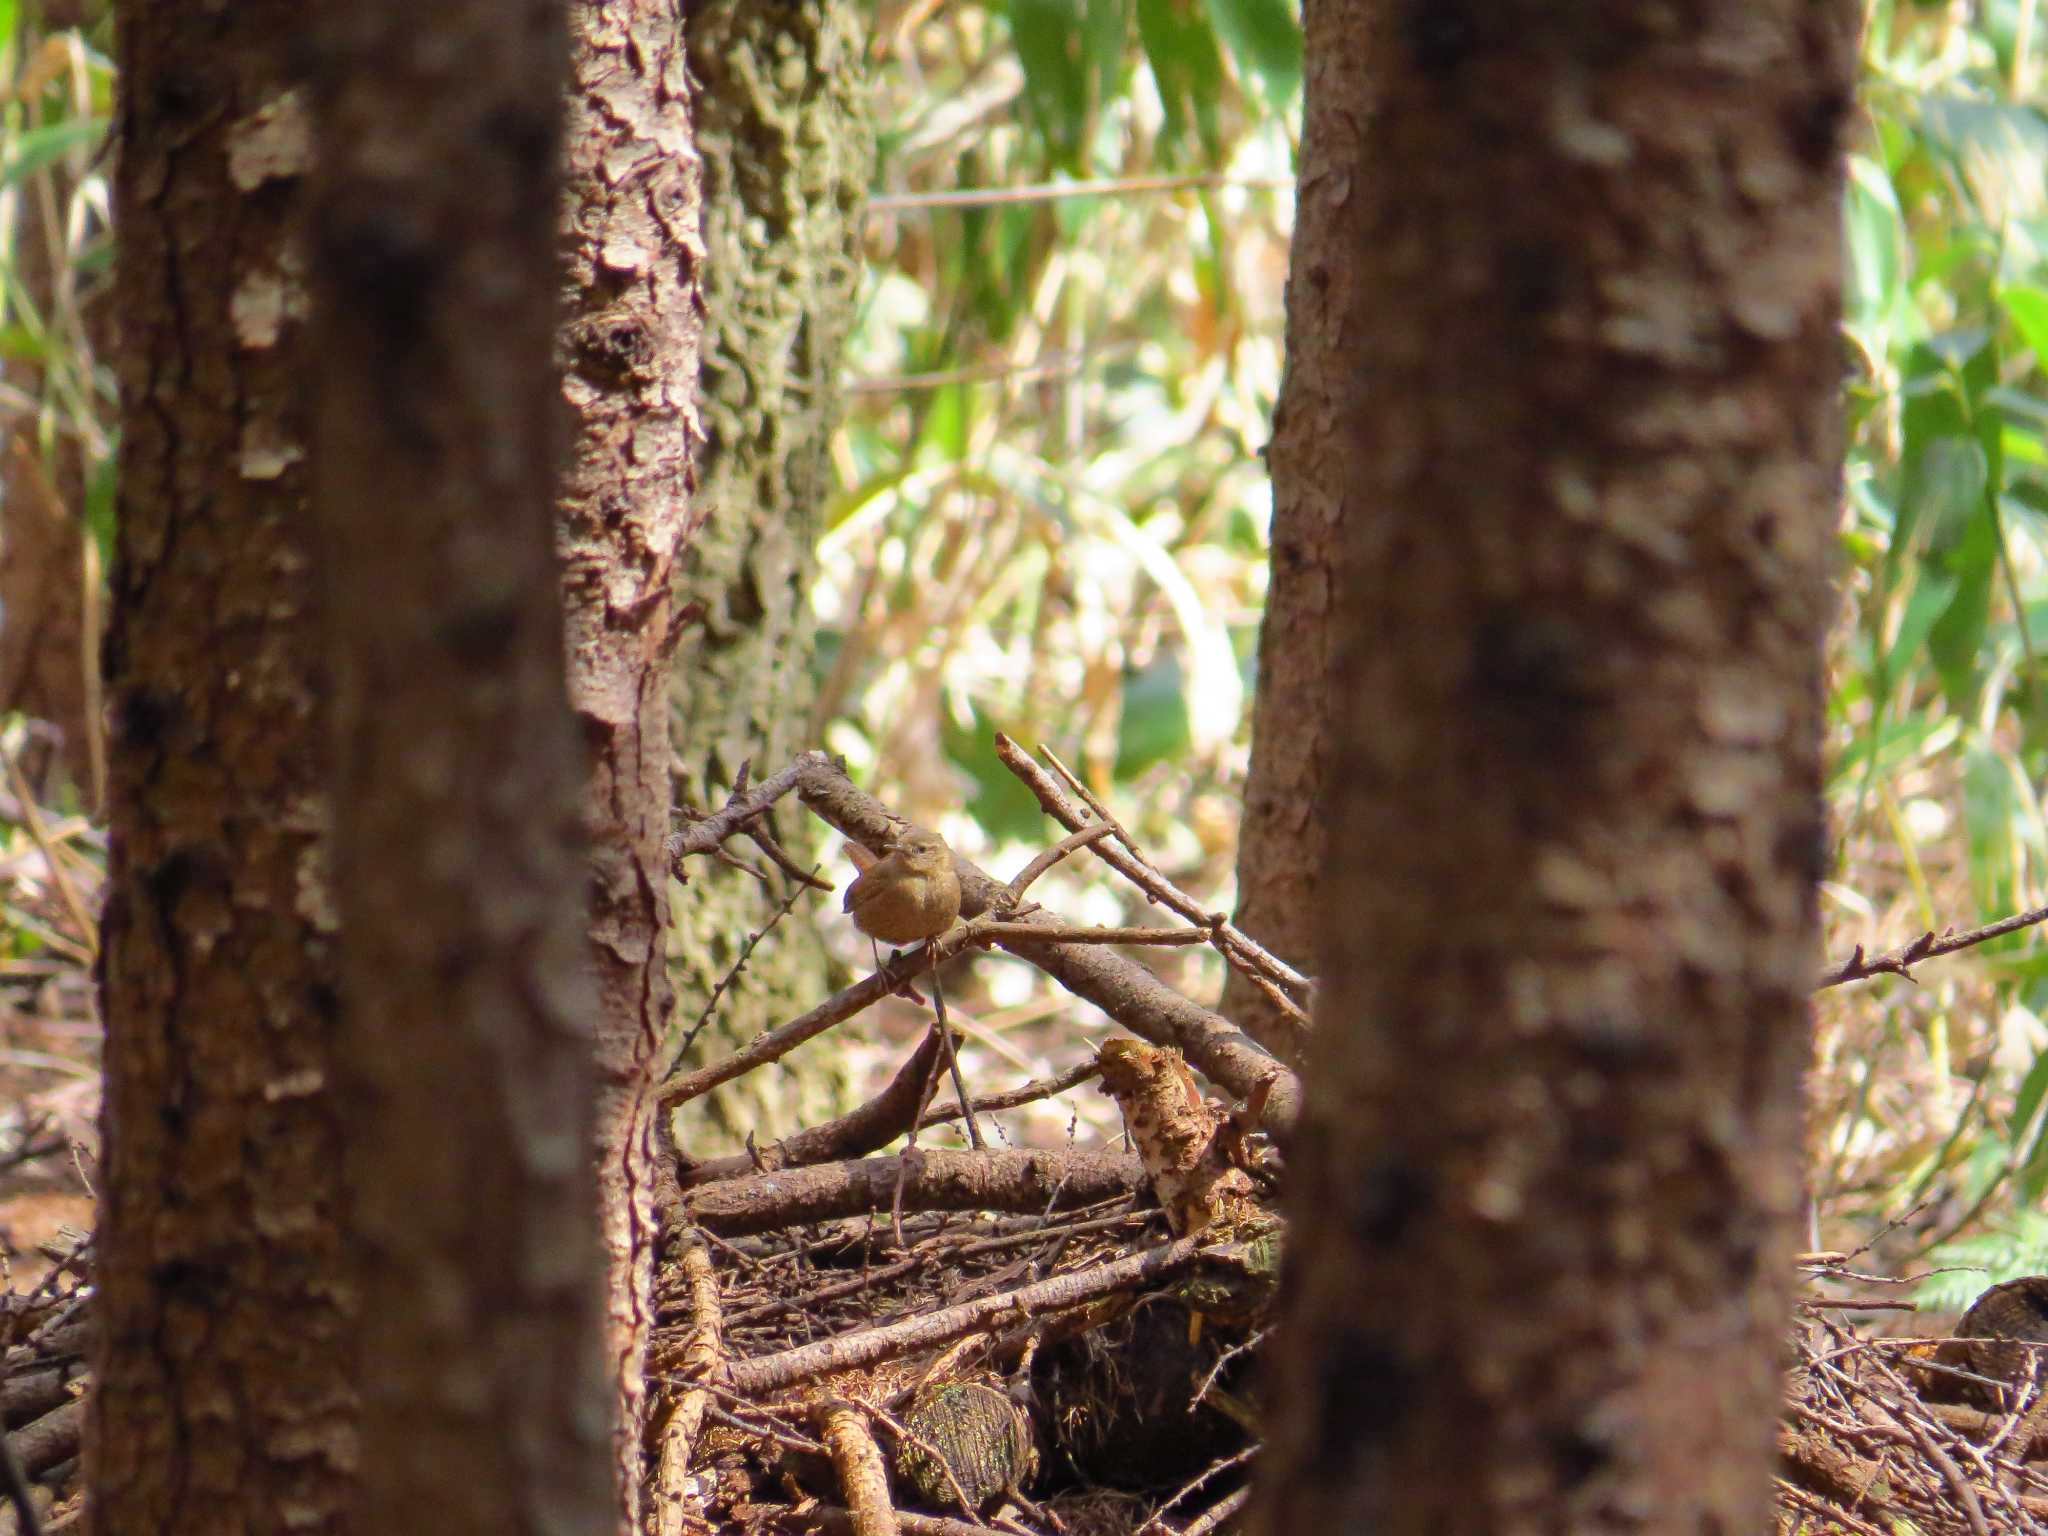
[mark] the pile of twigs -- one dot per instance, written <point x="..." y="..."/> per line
<point x="1883" y="1434"/>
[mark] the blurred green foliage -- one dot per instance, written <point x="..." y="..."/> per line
<point x="1930" y="1100"/>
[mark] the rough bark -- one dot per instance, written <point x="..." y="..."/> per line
<point x="1550" y="1161"/>
<point x="223" y="1401"/>
<point x="1281" y="837"/>
<point x="629" y="352"/>
<point x="459" y="873"/>
<point x="784" y="132"/>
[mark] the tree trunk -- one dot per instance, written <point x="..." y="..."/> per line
<point x="1546" y="1186"/>
<point x="1280" y="839"/>
<point x="459" y="873"/>
<point x="629" y="352"/>
<point x="223" y="1400"/>
<point x="783" y="129"/>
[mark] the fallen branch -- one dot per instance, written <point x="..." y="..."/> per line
<point x="1121" y="988"/>
<point x="839" y="1522"/>
<point x="754" y="1379"/>
<point x="929" y="1254"/>
<point x="699" y="1359"/>
<point x="857" y="1461"/>
<point x="862" y="1130"/>
<point x="989" y="1180"/>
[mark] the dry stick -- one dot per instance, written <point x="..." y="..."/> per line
<point x="1899" y="961"/>
<point x="1027" y="876"/>
<point x="738" y="965"/>
<point x="1223" y="1509"/>
<point x="1256" y="960"/>
<point x="764" y="839"/>
<point x="868" y="1128"/>
<point x="839" y="1522"/>
<point x="774" y="1044"/>
<point x="1123" y="989"/>
<point x="699" y="1359"/>
<point x="995" y="1179"/>
<point x="705" y="834"/>
<point x="1951" y="1474"/>
<point x="753" y="1379"/>
<point x="952" y="1066"/>
<point x="1243" y="954"/>
<point x="1027" y="1093"/>
<point x="909" y="1159"/>
<point x="928" y="1255"/>
<point x="1126" y="991"/>
<point x="858" y="1462"/>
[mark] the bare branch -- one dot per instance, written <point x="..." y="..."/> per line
<point x="1900" y="961"/>
<point x="1236" y="946"/>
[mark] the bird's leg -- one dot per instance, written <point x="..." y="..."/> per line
<point x="904" y="989"/>
<point x="953" y="1064"/>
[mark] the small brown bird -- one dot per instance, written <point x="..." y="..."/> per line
<point x="910" y="893"/>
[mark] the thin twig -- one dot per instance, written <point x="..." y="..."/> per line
<point x="778" y="1043"/>
<point x="851" y="1351"/>
<point x="1045" y="861"/>
<point x="1929" y="946"/>
<point x="706" y="833"/>
<point x="1236" y="946"/>
<point x="738" y="965"/>
<point x="1027" y="1093"/>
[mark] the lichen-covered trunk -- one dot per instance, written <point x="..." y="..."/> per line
<point x="784" y="132"/>
<point x="1550" y="1163"/>
<point x="460" y="873"/>
<point x="629" y="355"/>
<point x="1281" y="835"/>
<point x="222" y="1397"/>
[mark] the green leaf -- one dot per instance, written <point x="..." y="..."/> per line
<point x="1187" y="68"/>
<point x="1933" y="590"/>
<point x="2027" y="308"/>
<point x="44" y="146"/>
<point x="1006" y="810"/>
<point x="1048" y="38"/>
<point x="2033" y="1170"/>
<point x="1877" y="246"/>
<point x="1155" y="724"/>
<point x="1991" y="816"/>
<point x="1265" y="39"/>
<point x="1948" y="492"/>
<point x="1956" y="643"/>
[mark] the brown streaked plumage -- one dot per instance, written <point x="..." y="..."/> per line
<point x="910" y="893"/>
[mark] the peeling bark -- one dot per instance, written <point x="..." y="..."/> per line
<point x="629" y="352"/>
